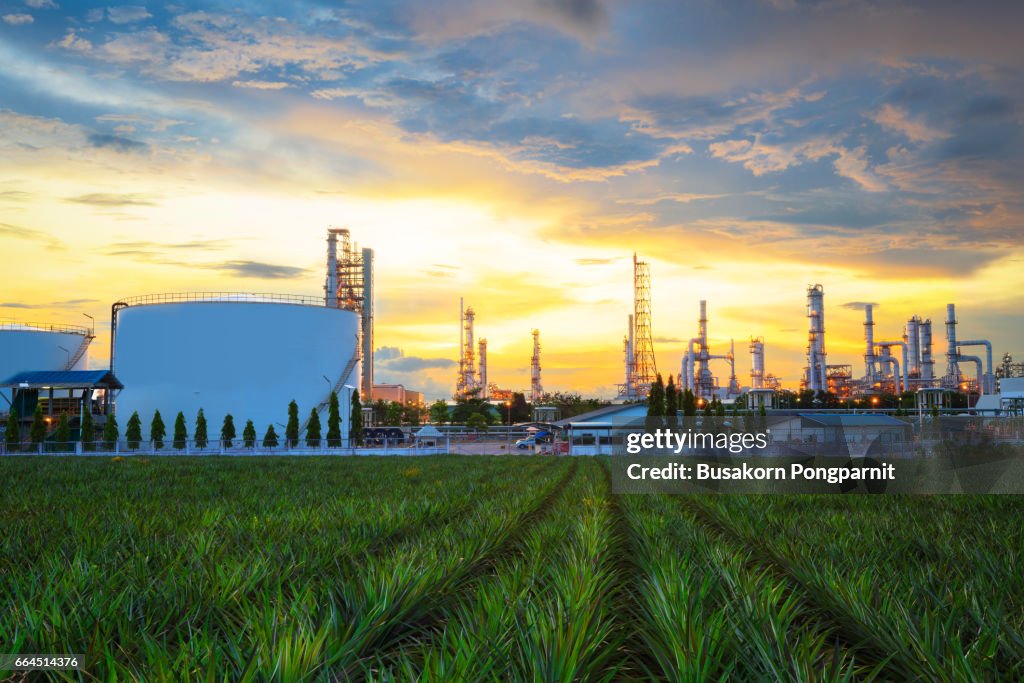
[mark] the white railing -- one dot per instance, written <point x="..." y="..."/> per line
<point x="221" y="297"/>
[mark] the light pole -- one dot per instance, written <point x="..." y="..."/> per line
<point x="93" y="325"/>
<point x="508" y="406"/>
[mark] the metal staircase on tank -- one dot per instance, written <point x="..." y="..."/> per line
<point x="338" y="386"/>
<point x="79" y="352"/>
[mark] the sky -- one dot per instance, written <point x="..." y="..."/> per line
<point x="517" y="154"/>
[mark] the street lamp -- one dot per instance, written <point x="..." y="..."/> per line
<point x="93" y="326"/>
<point x="508" y="405"/>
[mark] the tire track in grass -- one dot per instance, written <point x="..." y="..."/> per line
<point x="393" y="612"/>
<point x="851" y="635"/>
<point x="637" y="657"/>
<point x="540" y="614"/>
<point x="709" y="615"/>
<point x="451" y="517"/>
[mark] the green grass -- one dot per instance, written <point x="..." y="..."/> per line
<point x="492" y="569"/>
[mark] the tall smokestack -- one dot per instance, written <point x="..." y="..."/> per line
<point x="952" y="366"/>
<point x="483" y="368"/>
<point x="331" y="285"/>
<point x="367" y="324"/>
<point x="869" y="345"/>
<point x="927" y="364"/>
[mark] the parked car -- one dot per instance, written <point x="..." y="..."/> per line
<point x="532" y="440"/>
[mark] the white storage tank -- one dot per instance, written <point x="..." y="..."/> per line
<point x="41" y="346"/>
<point x="244" y="354"/>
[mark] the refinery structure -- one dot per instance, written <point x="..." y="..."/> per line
<point x="251" y="353"/>
<point x="898" y="365"/>
<point x="471" y="380"/>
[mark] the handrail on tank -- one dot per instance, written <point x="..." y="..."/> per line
<point x="11" y="324"/>
<point x="220" y="297"/>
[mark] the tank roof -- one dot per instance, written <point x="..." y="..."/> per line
<point x="19" y="326"/>
<point x="221" y="297"/>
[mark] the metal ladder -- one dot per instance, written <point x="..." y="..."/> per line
<point x="79" y="352"/>
<point x="338" y="386"/>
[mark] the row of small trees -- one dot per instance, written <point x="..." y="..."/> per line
<point x="158" y="430"/>
<point x="666" y="400"/>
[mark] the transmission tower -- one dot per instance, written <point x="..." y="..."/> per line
<point x="536" y="390"/>
<point x="644" y="368"/>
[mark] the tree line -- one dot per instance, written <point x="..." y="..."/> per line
<point x="61" y="437"/>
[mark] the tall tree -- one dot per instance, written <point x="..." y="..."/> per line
<point x="37" y="432"/>
<point x="355" y="423"/>
<point x="227" y="431"/>
<point x="333" y="422"/>
<point x="87" y="432"/>
<point x="520" y="409"/>
<point x="180" y="431"/>
<point x="412" y="414"/>
<point x="270" y="438"/>
<point x="671" y="399"/>
<point x="313" y="429"/>
<point x="291" y="430"/>
<point x="157" y="431"/>
<point x="13" y="435"/>
<point x="133" y="431"/>
<point x="656" y="398"/>
<point x="393" y="414"/>
<point x="380" y="411"/>
<point x="439" y="412"/>
<point x="110" y="431"/>
<point x="477" y="422"/>
<point x="202" y="437"/>
<point x="689" y="403"/>
<point x="62" y="435"/>
<point x="249" y="434"/>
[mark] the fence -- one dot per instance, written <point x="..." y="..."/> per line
<point x="122" y="447"/>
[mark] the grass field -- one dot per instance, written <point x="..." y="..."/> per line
<point x="493" y="568"/>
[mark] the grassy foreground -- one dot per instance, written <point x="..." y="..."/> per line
<point x="492" y="568"/>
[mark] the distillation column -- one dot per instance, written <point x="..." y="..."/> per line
<point x="816" y="371"/>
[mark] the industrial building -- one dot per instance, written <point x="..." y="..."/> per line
<point x="27" y="346"/>
<point x="398" y="394"/>
<point x="248" y="354"/>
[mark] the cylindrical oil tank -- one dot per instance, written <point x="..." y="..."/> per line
<point x="41" y="346"/>
<point x="247" y="355"/>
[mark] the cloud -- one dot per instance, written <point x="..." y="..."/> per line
<point x="116" y="142"/>
<point x="853" y="164"/>
<point x="18" y="19"/>
<point x="677" y="197"/>
<point x="14" y="196"/>
<point x="18" y="232"/>
<point x="207" y="47"/>
<point x="596" y="261"/>
<point x="387" y="353"/>
<point x="260" y="85"/>
<point x="761" y="158"/>
<point x="127" y="14"/>
<point x="42" y="4"/>
<point x="392" y="358"/>
<point x="72" y="41"/>
<point x="109" y="200"/>
<point x="897" y="119"/>
<point x="70" y="303"/>
<point x="257" y="269"/>
<point x="859" y="305"/>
